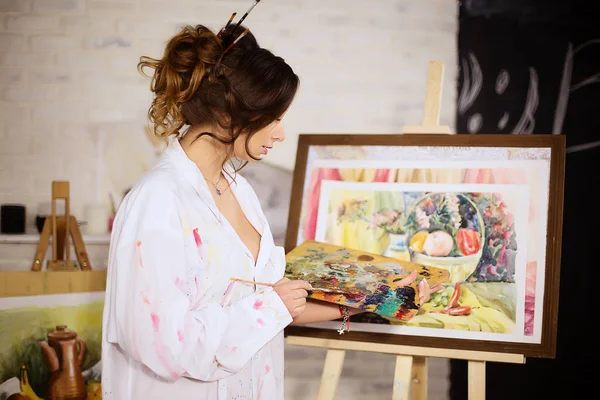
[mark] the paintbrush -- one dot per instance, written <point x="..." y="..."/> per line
<point x="245" y="15"/>
<point x="324" y="290"/>
<point x="227" y="24"/>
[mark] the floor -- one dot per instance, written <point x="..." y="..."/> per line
<point x="366" y="376"/>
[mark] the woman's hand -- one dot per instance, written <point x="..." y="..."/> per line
<point x="293" y="294"/>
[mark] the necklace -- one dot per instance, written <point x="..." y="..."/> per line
<point x="216" y="185"/>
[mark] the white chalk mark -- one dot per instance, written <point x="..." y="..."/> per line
<point x="502" y="81"/>
<point x="585" y="44"/>
<point x="503" y="121"/>
<point x="592" y="79"/>
<point x="581" y="147"/>
<point x="563" y="93"/>
<point x="565" y="85"/>
<point x="472" y="81"/>
<point x="588" y="81"/>
<point x="474" y="123"/>
<point x="527" y="121"/>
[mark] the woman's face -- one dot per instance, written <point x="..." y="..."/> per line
<point x="260" y="143"/>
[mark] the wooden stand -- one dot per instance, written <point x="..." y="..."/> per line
<point x="410" y="377"/>
<point x="61" y="229"/>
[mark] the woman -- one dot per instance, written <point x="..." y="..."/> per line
<point x="176" y="326"/>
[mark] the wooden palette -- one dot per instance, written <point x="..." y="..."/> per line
<point x="370" y="282"/>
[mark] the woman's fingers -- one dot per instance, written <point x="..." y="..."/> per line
<point x="300" y="293"/>
<point x="298" y="311"/>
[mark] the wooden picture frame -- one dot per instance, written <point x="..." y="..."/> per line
<point x="511" y="160"/>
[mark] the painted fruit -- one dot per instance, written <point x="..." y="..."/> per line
<point x="418" y="240"/>
<point x="468" y="241"/>
<point x="438" y="244"/>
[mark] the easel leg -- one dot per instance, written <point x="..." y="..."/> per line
<point x="476" y="374"/>
<point x="418" y="387"/>
<point x="331" y="374"/>
<point x="402" y="378"/>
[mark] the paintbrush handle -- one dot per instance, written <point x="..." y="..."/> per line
<point x="324" y="290"/>
<point x="253" y="282"/>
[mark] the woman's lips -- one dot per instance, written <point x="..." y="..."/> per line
<point x="266" y="150"/>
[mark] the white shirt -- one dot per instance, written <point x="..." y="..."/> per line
<point x="175" y="326"/>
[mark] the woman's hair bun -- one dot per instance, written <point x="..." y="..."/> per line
<point x="188" y="57"/>
<point x="203" y="79"/>
<point x="193" y="47"/>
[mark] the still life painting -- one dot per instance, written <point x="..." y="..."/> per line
<point x="475" y="237"/>
<point x="486" y="209"/>
<point x="381" y="285"/>
<point x="51" y="346"/>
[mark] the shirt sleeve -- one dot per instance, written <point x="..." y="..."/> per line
<point x="152" y="317"/>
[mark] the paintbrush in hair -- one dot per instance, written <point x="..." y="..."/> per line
<point x="245" y="15"/>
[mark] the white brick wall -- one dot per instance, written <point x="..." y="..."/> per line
<point x="68" y="73"/>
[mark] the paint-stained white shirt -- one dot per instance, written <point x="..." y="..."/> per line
<point x="175" y="325"/>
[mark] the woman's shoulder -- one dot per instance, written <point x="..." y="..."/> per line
<point x="158" y="186"/>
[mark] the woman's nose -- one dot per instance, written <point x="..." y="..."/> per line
<point x="279" y="135"/>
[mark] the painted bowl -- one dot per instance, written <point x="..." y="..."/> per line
<point x="446" y="230"/>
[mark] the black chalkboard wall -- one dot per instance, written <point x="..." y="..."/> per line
<point x="533" y="67"/>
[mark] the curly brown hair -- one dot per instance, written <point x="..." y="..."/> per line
<point x="194" y="83"/>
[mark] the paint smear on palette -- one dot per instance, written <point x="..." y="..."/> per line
<point x="370" y="282"/>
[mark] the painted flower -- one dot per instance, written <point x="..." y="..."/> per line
<point x="422" y="218"/>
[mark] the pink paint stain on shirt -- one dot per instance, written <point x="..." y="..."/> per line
<point x="180" y="336"/>
<point x="257" y="304"/>
<point x="227" y="294"/>
<point x="162" y="353"/>
<point x="138" y="251"/>
<point x="180" y="283"/>
<point x="267" y="369"/>
<point x="260" y="386"/>
<point x="199" y="243"/>
<point x="199" y="293"/>
<point x="228" y="290"/>
<point x="261" y="322"/>
<point x="155" y="321"/>
<point x="197" y="238"/>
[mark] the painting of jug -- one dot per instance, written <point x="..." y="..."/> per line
<point x="54" y="366"/>
<point x="64" y="353"/>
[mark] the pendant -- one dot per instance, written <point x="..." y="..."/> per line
<point x="218" y="191"/>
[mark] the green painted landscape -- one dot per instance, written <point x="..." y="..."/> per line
<point x="27" y="321"/>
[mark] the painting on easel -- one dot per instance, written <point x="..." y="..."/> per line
<point x="50" y="346"/>
<point x="486" y="209"/>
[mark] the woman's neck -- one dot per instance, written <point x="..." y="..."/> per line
<point x="206" y="152"/>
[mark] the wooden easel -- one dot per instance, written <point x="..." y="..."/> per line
<point x="410" y="376"/>
<point x="61" y="228"/>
